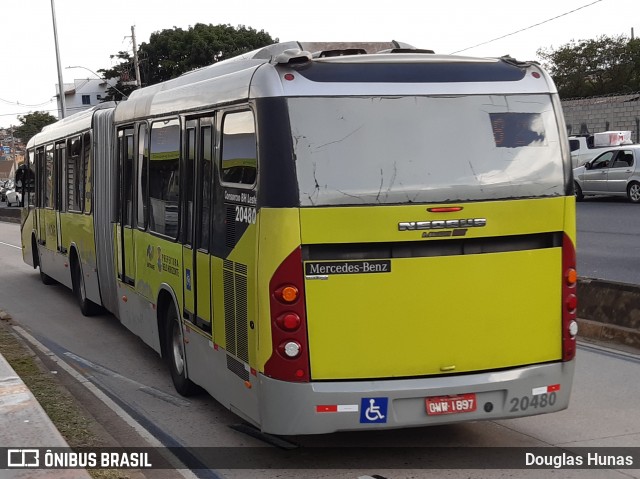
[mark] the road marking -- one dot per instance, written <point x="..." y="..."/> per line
<point x="142" y="431"/>
<point x="141" y="387"/>
<point x="609" y="351"/>
<point x="12" y="245"/>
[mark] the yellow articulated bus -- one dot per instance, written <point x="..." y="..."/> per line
<point x="326" y="237"/>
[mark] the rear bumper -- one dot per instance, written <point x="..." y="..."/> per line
<point x="325" y="407"/>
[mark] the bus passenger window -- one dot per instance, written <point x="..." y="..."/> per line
<point x="239" y="154"/>
<point x="88" y="179"/>
<point x="48" y="177"/>
<point x="143" y="160"/>
<point x="204" y="189"/>
<point x="164" y="177"/>
<point x="74" y="174"/>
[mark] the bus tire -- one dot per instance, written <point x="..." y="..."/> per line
<point x="176" y="354"/>
<point x="87" y="307"/>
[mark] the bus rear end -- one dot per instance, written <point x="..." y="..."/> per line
<point x="426" y="274"/>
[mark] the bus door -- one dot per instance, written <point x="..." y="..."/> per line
<point x="189" y="273"/>
<point x="196" y="259"/>
<point x="124" y="230"/>
<point x="234" y="235"/>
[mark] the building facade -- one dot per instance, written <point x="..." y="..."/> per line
<point x="83" y="94"/>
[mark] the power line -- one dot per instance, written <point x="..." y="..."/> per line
<point x="8" y="102"/>
<point x="527" y="28"/>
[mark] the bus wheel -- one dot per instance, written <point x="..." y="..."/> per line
<point x="176" y="354"/>
<point x="87" y="307"/>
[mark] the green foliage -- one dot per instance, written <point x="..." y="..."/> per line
<point x="172" y="52"/>
<point x="600" y="66"/>
<point x="32" y="123"/>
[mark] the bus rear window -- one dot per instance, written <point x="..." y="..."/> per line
<point x="425" y="149"/>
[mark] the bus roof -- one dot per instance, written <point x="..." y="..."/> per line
<point x="70" y="125"/>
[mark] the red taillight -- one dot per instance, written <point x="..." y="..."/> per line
<point x="289" y="359"/>
<point x="289" y="321"/>
<point x="569" y="299"/>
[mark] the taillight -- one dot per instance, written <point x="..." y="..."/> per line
<point x="569" y="299"/>
<point x="289" y="359"/>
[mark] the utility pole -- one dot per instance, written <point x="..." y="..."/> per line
<point x="63" y="108"/>
<point x="13" y="145"/>
<point x="135" y="56"/>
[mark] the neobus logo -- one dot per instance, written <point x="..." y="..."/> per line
<point x="442" y="224"/>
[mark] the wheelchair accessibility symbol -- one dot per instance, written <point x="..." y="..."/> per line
<point x="373" y="410"/>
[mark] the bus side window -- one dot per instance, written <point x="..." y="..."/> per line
<point x="204" y="188"/>
<point x="87" y="179"/>
<point x="164" y="177"/>
<point x="75" y="177"/>
<point x="239" y="155"/>
<point x="143" y="188"/>
<point x="48" y="177"/>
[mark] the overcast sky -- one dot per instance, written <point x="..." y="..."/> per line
<point x="90" y="31"/>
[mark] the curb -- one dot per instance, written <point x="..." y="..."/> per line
<point x="10" y="215"/>
<point x="609" y="311"/>
<point x="24" y="425"/>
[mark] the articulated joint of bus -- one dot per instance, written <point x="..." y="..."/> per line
<point x="569" y="299"/>
<point x="290" y="352"/>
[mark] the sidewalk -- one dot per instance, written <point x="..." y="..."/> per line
<point x="24" y="424"/>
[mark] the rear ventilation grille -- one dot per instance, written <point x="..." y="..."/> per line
<point x="234" y="276"/>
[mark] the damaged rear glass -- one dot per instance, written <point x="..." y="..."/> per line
<point x="405" y="149"/>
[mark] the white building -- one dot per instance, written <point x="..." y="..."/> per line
<point x="83" y="94"/>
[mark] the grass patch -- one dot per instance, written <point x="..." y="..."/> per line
<point x="69" y="417"/>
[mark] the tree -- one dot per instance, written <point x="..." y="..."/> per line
<point x="172" y="52"/>
<point x="600" y="66"/>
<point x="32" y="124"/>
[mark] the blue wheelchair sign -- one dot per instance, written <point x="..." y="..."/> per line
<point x="373" y="410"/>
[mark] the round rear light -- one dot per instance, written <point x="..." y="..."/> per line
<point x="571" y="302"/>
<point x="573" y="328"/>
<point x="290" y="349"/>
<point x="287" y="294"/>
<point x="572" y="276"/>
<point x="289" y="321"/>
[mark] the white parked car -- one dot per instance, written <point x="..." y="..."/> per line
<point x="13" y="198"/>
<point x="613" y="172"/>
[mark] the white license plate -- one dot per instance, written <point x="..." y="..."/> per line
<point x="438" y="405"/>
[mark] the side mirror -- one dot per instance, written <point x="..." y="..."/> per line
<point x="587" y="165"/>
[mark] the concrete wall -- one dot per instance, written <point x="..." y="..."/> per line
<point x="596" y="114"/>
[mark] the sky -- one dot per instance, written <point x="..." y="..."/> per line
<point x="90" y="31"/>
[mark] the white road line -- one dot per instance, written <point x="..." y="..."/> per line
<point x="150" y="438"/>
<point x="142" y="387"/>
<point x="12" y="245"/>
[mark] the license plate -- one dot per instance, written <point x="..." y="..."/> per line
<point x="438" y="405"/>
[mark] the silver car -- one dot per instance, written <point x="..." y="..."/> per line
<point x="613" y="172"/>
